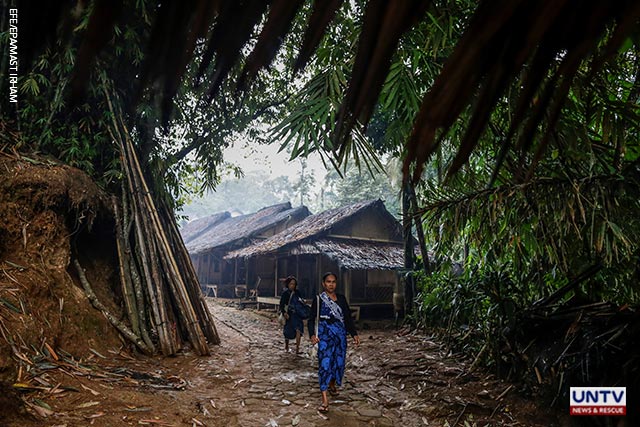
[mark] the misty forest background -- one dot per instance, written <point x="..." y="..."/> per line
<point x="255" y="189"/>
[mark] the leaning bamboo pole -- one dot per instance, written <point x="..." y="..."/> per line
<point x="145" y="249"/>
<point x="125" y="275"/>
<point x="133" y="271"/>
<point x="168" y="260"/>
<point x="177" y="308"/>
<point x="124" y="329"/>
<point x="148" y="251"/>
<point x="195" y="295"/>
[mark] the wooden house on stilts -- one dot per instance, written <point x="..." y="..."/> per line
<point x="209" y="239"/>
<point x="362" y="243"/>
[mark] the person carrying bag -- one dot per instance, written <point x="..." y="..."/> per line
<point x="281" y="316"/>
<point x="292" y="312"/>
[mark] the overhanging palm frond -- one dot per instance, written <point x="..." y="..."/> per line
<point x="322" y="14"/>
<point x="384" y="24"/>
<point x="281" y="16"/>
<point x="233" y="29"/>
<point x="501" y="39"/>
<point x="548" y="40"/>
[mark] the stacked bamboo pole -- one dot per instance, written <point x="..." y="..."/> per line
<point x="165" y="284"/>
<point x="199" y="304"/>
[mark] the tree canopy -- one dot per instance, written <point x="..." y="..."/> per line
<point x="538" y="43"/>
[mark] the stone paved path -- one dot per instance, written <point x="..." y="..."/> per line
<point x="281" y="388"/>
<point x="392" y="379"/>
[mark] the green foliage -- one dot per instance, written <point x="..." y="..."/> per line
<point x="183" y="158"/>
<point x="559" y="226"/>
<point x="472" y="308"/>
<point x="522" y="234"/>
<point x="303" y="184"/>
<point x="309" y="118"/>
<point x="77" y="133"/>
<point x="578" y="208"/>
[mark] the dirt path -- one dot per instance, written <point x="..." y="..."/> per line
<point x="391" y="380"/>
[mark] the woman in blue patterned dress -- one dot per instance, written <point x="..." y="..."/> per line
<point x="333" y="325"/>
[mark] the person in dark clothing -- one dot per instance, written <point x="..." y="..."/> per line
<point x="293" y="326"/>
<point x="334" y="323"/>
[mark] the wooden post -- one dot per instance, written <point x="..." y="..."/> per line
<point x="320" y="273"/>
<point x="247" y="262"/>
<point x="346" y="280"/>
<point x="275" y="277"/>
<point x="235" y="271"/>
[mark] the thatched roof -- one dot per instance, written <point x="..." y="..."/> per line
<point x="234" y="232"/>
<point x="198" y="226"/>
<point x="309" y="236"/>
<point x="354" y="254"/>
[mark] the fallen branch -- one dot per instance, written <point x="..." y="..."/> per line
<point x="558" y="294"/>
<point x="504" y="393"/>
<point x="455" y="423"/>
<point x="474" y="365"/>
<point x="121" y="327"/>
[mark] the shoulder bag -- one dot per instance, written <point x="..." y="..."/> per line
<point x="314" y="349"/>
<point x="281" y="319"/>
<point x="302" y="309"/>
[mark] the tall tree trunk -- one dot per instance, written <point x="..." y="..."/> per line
<point x="409" y="258"/>
<point x="419" y="230"/>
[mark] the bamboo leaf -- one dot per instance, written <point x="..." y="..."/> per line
<point x="87" y="405"/>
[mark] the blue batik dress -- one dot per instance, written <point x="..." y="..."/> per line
<point x="332" y="348"/>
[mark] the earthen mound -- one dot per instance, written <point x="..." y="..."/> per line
<point x="50" y="213"/>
